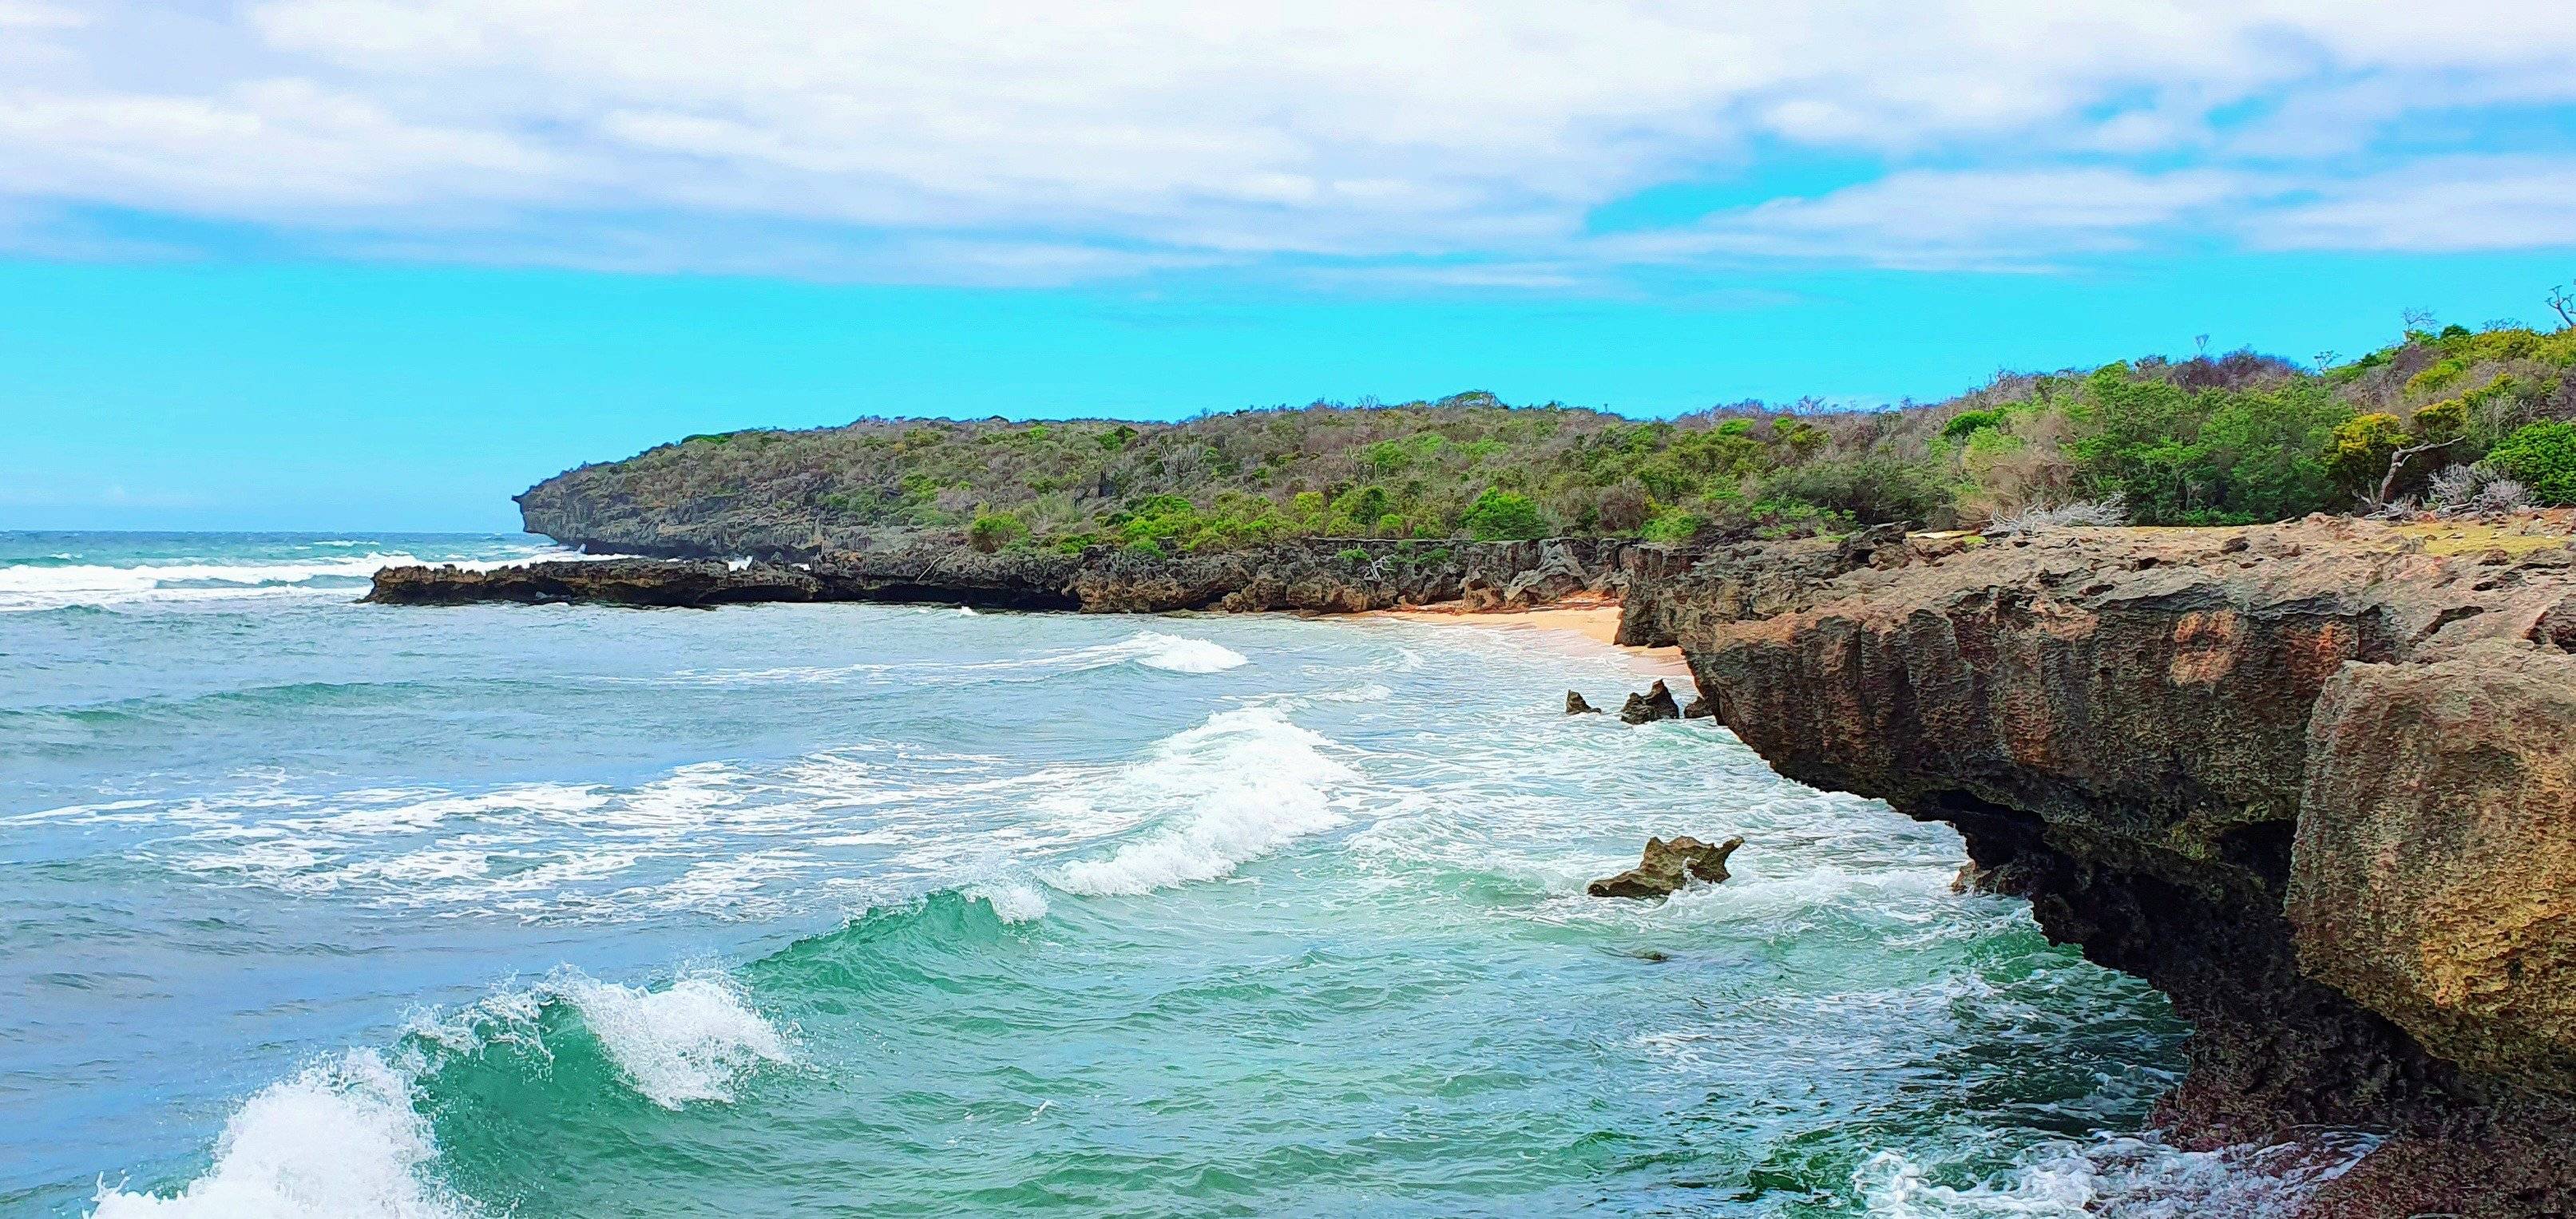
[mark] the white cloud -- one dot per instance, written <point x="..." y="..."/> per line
<point x="2011" y="220"/>
<point x="2449" y="204"/>
<point x="1043" y="140"/>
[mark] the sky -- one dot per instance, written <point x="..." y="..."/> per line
<point x="380" y="264"/>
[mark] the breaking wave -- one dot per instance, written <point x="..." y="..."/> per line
<point x="1156" y="650"/>
<point x="339" y="1140"/>
<point x="1233" y="789"/>
<point x="350" y="1138"/>
<point x="25" y="587"/>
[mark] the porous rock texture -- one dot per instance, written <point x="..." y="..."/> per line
<point x="2309" y="780"/>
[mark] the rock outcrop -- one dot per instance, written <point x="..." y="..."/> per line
<point x="1655" y="704"/>
<point x="1576" y="704"/>
<point x="2311" y="781"/>
<point x="1329" y="575"/>
<point x="637" y="582"/>
<point x="1667" y="866"/>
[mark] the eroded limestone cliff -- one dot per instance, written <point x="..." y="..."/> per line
<point x="2311" y="781"/>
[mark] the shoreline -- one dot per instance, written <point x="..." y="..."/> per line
<point x="1594" y="618"/>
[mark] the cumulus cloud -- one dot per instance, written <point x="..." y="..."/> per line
<point x="1019" y="140"/>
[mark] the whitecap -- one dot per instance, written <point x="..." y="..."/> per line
<point x="691" y="1041"/>
<point x="339" y="1140"/>
<point x="1011" y="901"/>
<point x="1156" y="650"/>
<point x="1249" y="782"/>
<point x="26" y="587"/>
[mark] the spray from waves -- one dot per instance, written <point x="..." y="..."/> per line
<point x="691" y="1041"/>
<point x="32" y="587"/>
<point x="1237" y="787"/>
<point x="344" y="1139"/>
<point x="2123" y="1178"/>
<point x="336" y="1141"/>
<point x="1012" y="902"/>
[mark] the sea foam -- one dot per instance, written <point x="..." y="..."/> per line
<point x="339" y="1140"/>
<point x="691" y="1041"/>
<point x="32" y="587"/>
<point x="1244" y="783"/>
<point x="2124" y="1178"/>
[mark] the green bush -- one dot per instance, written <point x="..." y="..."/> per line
<point x="1672" y="525"/>
<point x="1965" y="422"/>
<point x="992" y="531"/>
<point x="1873" y="490"/>
<point x="2542" y="456"/>
<point x="1500" y="516"/>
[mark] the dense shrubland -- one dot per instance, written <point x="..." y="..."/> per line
<point x="2453" y="416"/>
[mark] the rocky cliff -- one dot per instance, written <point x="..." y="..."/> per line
<point x="2312" y="781"/>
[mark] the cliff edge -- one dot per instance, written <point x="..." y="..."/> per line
<point x="2312" y="781"/>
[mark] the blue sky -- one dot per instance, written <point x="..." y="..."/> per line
<point x="381" y="263"/>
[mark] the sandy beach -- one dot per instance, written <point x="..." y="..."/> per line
<point x="1593" y="619"/>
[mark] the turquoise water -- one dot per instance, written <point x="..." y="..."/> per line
<point x="316" y="908"/>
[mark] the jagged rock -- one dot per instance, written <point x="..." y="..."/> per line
<point x="1575" y="705"/>
<point x="1655" y="704"/>
<point x="2312" y="782"/>
<point x="1699" y="708"/>
<point x="2004" y="879"/>
<point x="1557" y="576"/>
<point x="1667" y="866"/>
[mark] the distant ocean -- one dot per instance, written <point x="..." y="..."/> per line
<point x="313" y="908"/>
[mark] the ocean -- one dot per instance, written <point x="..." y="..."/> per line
<point x="315" y="908"/>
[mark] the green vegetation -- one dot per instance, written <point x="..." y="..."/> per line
<point x="2542" y="456"/>
<point x="2211" y="440"/>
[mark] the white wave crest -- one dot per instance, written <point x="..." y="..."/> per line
<point x="1011" y="902"/>
<point x="693" y="1040"/>
<point x="339" y="1140"/>
<point x="1245" y="782"/>
<point x="1156" y="650"/>
<point x="43" y="588"/>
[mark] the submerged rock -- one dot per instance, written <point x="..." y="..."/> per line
<point x="1575" y="705"/>
<point x="1667" y="866"/>
<point x="1655" y="704"/>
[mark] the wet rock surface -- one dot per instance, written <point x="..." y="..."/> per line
<point x="1655" y="704"/>
<point x="1667" y="866"/>
<point x="1576" y="704"/>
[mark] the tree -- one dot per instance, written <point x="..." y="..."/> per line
<point x="1499" y="516"/>
<point x="2360" y="449"/>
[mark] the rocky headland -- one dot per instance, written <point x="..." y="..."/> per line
<point x="2312" y="781"/>
<point x="2316" y="781"/>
